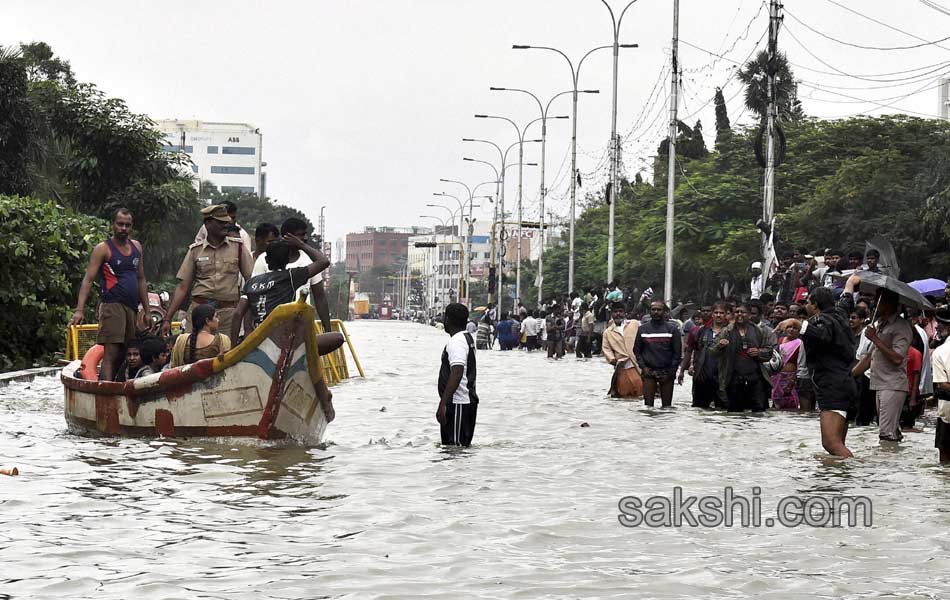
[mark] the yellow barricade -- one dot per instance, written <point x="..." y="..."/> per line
<point x="335" y="367"/>
<point x="80" y="338"/>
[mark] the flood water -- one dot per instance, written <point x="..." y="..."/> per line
<point x="529" y="511"/>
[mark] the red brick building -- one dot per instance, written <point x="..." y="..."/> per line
<point x="378" y="246"/>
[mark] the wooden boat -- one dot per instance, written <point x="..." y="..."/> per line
<point x="269" y="387"/>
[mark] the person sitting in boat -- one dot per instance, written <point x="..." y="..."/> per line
<point x="154" y="351"/>
<point x="205" y="342"/>
<point x="265" y="292"/>
<point x="132" y="363"/>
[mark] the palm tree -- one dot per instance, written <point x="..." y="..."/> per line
<point x="755" y="77"/>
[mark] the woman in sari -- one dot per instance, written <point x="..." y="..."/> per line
<point x="784" y="390"/>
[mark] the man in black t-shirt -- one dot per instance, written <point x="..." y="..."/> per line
<point x="263" y="293"/>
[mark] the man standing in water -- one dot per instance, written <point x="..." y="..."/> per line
<point x="829" y="352"/>
<point x="122" y="287"/>
<point x="619" y="339"/>
<point x="658" y="349"/>
<point x="458" y="402"/>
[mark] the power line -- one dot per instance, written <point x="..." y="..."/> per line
<point x="870" y="76"/>
<point x="883" y="24"/>
<point x="861" y="46"/>
<point x="935" y="6"/>
<point x="875" y="102"/>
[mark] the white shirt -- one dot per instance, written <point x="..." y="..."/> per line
<point x="457" y="349"/>
<point x="940" y="361"/>
<point x="260" y="267"/>
<point x="531" y="326"/>
<point x="926" y="385"/>
<point x="756" y="287"/>
<point x="864" y="348"/>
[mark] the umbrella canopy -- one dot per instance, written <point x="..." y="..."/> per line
<point x="871" y="282"/>
<point x="929" y="287"/>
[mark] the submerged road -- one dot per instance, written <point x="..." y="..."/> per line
<point x="530" y="511"/>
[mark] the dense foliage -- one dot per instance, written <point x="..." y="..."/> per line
<point x="67" y="144"/>
<point x="43" y="252"/>
<point x="842" y="183"/>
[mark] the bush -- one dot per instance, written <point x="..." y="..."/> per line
<point x="44" y="250"/>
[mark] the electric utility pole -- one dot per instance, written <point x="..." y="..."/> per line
<point x="768" y="196"/>
<point x="671" y="176"/>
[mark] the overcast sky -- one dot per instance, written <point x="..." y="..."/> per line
<point x="362" y="104"/>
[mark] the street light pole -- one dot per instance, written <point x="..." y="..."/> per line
<point x="520" y="194"/>
<point x="575" y="79"/>
<point x="503" y="214"/>
<point x="468" y="249"/>
<point x="614" y="141"/>
<point x="543" y="192"/>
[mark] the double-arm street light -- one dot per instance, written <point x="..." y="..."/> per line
<point x="520" y="135"/>
<point x="575" y="79"/>
<point x="614" y="140"/>
<point x="468" y="249"/>
<point x="503" y="157"/>
<point x="493" y="268"/>
<point x="442" y="221"/>
<point x="543" y="108"/>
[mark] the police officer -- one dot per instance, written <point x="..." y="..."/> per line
<point x="212" y="269"/>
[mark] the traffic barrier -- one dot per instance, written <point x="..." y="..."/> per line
<point x="80" y="338"/>
<point x="335" y="367"/>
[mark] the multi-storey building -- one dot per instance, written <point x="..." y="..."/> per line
<point x="226" y="154"/>
<point x="378" y="246"/>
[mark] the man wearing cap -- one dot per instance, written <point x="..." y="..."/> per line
<point x="231" y="207"/>
<point x="758" y="282"/>
<point x="211" y="270"/>
<point x="941" y="378"/>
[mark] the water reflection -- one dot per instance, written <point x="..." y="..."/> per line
<point x="529" y="511"/>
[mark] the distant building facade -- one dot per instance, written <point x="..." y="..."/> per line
<point x="379" y="246"/>
<point x="226" y="154"/>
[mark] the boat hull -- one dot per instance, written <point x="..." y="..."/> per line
<point x="265" y="388"/>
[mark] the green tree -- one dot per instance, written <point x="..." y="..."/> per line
<point x="43" y="65"/>
<point x="754" y="75"/>
<point x="43" y="252"/>
<point x="252" y="209"/>
<point x="16" y="123"/>
<point x="722" y="116"/>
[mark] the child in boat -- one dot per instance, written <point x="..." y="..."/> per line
<point x="132" y="363"/>
<point x="265" y="292"/>
<point x="153" y="354"/>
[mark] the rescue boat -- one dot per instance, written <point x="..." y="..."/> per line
<point x="269" y="387"/>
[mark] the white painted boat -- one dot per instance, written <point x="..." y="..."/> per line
<point x="265" y="388"/>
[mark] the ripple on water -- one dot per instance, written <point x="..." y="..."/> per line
<point x="380" y="510"/>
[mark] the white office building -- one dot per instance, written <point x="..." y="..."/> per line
<point x="226" y="154"/>
<point x="441" y="266"/>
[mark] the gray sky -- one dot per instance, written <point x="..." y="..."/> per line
<point x="363" y="104"/>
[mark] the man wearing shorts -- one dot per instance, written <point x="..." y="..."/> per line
<point x="122" y="288"/>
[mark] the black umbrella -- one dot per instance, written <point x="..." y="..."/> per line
<point x="871" y="282"/>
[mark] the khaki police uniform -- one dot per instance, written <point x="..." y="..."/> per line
<point x="215" y="273"/>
